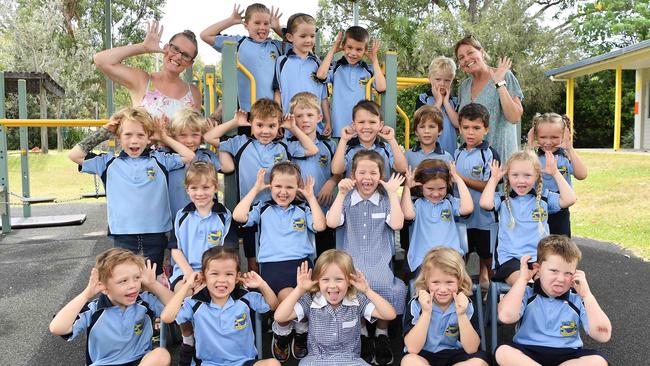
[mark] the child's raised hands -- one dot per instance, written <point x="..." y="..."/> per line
<point x="567" y="139"/>
<point x="289" y="122"/>
<point x="532" y="141"/>
<point x="112" y="125"/>
<point x="358" y="280"/>
<point x="94" y="286"/>
<point x="499" y="73"/>
<point x="348" y="133"/>
<point x="337" y="45"/>
<point x="303" y="277"/>
<point x="580" y="284"/>
<point x="393" y="183"/>
<point x="496" y="171"/>
<point x="148" y="274"/>
<point x="192" y="281"/>
<point x="152" y="39"/>
<point x="259" y="181"/>
<point x="387" y="133"/>
<point x="307" y="190"/>
<point x="451" y="165"/>
<point x="346" y="185"/>
<point x="424" y="298"/>
<point x="160" y="128"/>
<point x="409" y="178"/>
<point x="526" y="274"/>
<point x="237" y="15"/>
<point x="252" y="280"/>
<point x="241" y="117"/>
<point x="374" y="51"/>
<point x="275" y="18"/>
<point x="461" y="302"/>
<point x="551" y="166"/>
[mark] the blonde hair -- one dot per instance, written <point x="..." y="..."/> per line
<point x="111" y="258"/>
<point x="558" y="245"/>
<point x="339" y="258"/>
<point x="137" y="115"/>
<point x="188" y="119"/>
<point x="199" y="170"/>
<point x="265" y="108"/>
<point x="442" y="64"/>
<point x="304" y="100"/>
<point x="449" y="262"/>
<point x="529" y="156"/>
<point x="551" y="118"/>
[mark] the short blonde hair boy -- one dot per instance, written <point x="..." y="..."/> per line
<point x="108" y="260"/>
<point x="305" y="100"/>
<point x="442" y="64"/>
<point x="188" y="119"/>
<point x="134" y="114"/>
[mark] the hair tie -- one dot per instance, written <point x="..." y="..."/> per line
<point x="435" y="170"/>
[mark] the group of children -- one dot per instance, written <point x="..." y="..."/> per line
<point x="302" y="194"/>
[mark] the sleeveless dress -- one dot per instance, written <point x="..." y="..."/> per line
<point x="158" y="104"/>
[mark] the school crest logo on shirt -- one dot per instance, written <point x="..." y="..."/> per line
<point x="452" y="330"/>
<point x="273" y="55"/>
<point x="151" y="173"/>
<point x="564" y="170"/>
<point x="241" y="321"/>
<point x="539" y="214"/>
<point x="299" y="224"/>
<point x="323" y="160"/>
<point x="278" y="157"/>
<point x="477" y="170"/>
<point x="445" y="215"/>
<point x="363" y="81"/>
<point x="568" y="328"/>
<point x="214" y="237"/>
<point x="138" y="328"/>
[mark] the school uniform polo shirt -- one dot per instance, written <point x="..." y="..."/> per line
<point x="258" y="58"/>
<point x="223" y="334"/>
<point x="564" y="165"/>
<point x="476" y="164"/>
<point x="416" y="155"/>
<point x="334" y="332"/>
<point x="551" y="322"/>
<point x="178" y="197"/>
<point x="195" y="234"/>
<point x="137" y="198"/>
<point x="250" y="155"/>
<point x="434" y="225"/>
<point x="294" y="75"/>
<point x="284" y="233"/>
<point x="348" y="88"/>
<point x="444" y="331"/>
<point x="447" y="138"/>
<point x="523" y="238"/>
<point x="381" y="147"/>
<point x="318" y="166"/>
<point x="116" y="336"/>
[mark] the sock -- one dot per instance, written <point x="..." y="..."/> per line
<point x="379" y="331"/>
<point x="300" y="327"/>
<point x="364" y="330"/>
<point x="189" y="340"/>
<point x="282" y="330"/>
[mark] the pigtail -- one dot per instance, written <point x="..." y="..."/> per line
<point x="538" y="198"/>
<point x="506" y="193"/>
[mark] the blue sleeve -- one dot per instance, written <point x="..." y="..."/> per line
<point x="233" y="144"/>
<point x="552" y="200"/>
<point x="177" y="244"/>
<point x="497" y="200"/>
<point x="455" y="205"/>
<point x="83" y="320"/>
<point x="220" y="38"/>
<point x="153" y="301"/>
<point x="276" y="76"/>
<point x="391" y="158"/>
<point x="226" y="225"/>
<point x="254" y="215"/>
<point x="487" y="170"/>
<point x="256" y="302"/>
<point x="584" y="319"/>
<point x="420" y="101"/>
<point x="524" y="301"/>
<point x="95" y="164"/>
<point x="412" y="314"/>
<point x="171" y="161"/>
<point x="309" y="219"/>
<point x="470" y="310"/>
<point x="295" y="148"/>
<point x="186" y="313"/>
<point x="514" y="89"/>
<point x="209" y="156"/>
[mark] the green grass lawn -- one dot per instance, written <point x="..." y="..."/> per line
<point x="613" y="202"/>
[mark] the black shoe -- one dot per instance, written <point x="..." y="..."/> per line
<point x="187" y="354"/>
<point x="383" y="353"/>
<point x="280" y="347"/>
<point x="367" y="349"/>
<point x="299" y="346"/>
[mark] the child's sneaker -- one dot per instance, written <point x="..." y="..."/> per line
<point x="280" y="347"/>
<point x="299" y="346"/>
<point x="383" y="353"/>
<point x="187" y="354"/>
<point x="367" y="349"/>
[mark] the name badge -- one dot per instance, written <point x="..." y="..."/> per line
<point x="379" y="215"/>
<point x="349" y="324"/>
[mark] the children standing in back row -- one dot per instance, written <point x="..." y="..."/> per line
<point x="257" y="52"/>
<point x="350" y="74"/>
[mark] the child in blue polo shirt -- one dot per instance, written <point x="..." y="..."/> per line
<point x="523" y="208"/>
<point x="136" y="178"/>
<point x="550" y="311"/>
<point x="286" y="230"/>
<point x="350" y="74"/>
<point x="119" y="323"/>
<point x="551" y="132"/>
<point x="435" y="210"/>
<point x="473" y="161"/>
<point x="437" y="327"/>
<point x="262" y="150"/>
<point x="441" y="75"/>
<point x="364" y="134"/>
<point x="221" y="311"/>
<point x="257" y="52"/>
<point x="295" y="71"/>
<point x="428" y="126"/>
<point x="306" y="108"/>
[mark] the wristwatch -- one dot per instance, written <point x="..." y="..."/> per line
<point x="500" y="84"/>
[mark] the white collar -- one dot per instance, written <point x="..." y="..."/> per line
<point x="318" y="301"/>
<point x="356" y="198"/>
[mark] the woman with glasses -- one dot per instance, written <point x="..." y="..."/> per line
<point x="161" y="93"/>
<point x="497" y="89"/>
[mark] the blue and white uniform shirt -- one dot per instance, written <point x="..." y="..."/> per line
<point x="564" y="165"/>
<point x="318" y="166"/>
<point x="447" y="139"/>
<point x="415" y="155"/>
<point x="379" y="146"/>
<point x="294" y="75"/>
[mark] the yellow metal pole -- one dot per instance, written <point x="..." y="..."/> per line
<point x="369" y="88"/>
<point x="53" y="122"/>
<point x="617" y="107"/>
<point x="407" y="128"/>
<point x="570" y="85"/>
<point x="250" y="77"/>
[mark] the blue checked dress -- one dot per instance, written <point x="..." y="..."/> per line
<point x="371" y="243"/>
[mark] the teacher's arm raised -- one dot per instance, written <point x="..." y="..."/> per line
<point x="511" y="105"/>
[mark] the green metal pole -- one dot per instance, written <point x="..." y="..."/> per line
<point x="208" y="73"/>
<point x="24" y="144"/>
<point x="108" y="43"/>
<point x="229" y="100"/>
<point x="188" y="75"/>
<point x="389" y="97"/>
<point x="355" y="13"/>
<point x="4" y="169"/>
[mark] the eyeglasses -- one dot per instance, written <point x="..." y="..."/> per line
<point x="175" y="50"/>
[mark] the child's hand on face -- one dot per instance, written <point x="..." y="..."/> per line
<point x="192" y="281"/>
<point x="337" y="46"/>
<point x="526" y="274"/>
<point x="160" y="128"/>
<point x="567" y="139"/>
<point x="374" y="51"/>
<point x="437" y="95"/>
<point x="424" y="298"/>
<point x="308" y="190"/>
<point x="358" y="280"/>
<point x="453" y="172"/>
<point x="242" y="118"/>
<point x="289" y="122"/>
<point x="149" y="274"/>
<point x="152" y="39"/>
<point x="532" y="141"/>
<point x="275" y="18"/>
<point x="252" y="280"/>
<point x="347" y="133"/>
<point x="112" y="125"/>
<point x="446" y="94"/>
<point x="346" y="185"/>
<point x="551" y="166"/>
<point x="409" y="178"/>
<point x="387" y="133"/>
<point x="496" y="172"/>
<point x="94" y="286"/>
<point x="259" y="181"/>
<point x="237" y="15"/>
<point x="580" y="284"/>
<point x="303" y="277"/>
<point x="393" y="184"/>
<point x="461" y="302"/>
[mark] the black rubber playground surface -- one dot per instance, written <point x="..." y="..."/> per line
<point x="42" y="269"/>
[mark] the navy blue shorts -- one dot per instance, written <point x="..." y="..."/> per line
<point x="560" y="222"/>
<point x="281" y="274"/>
<point x="151" y="246"/>
<point x="449" y="357"/>
<point x="325" y="240"/>
<point x="551" y="356"/>
<point x="503" y="271"/>
<point x="479" y="241"/>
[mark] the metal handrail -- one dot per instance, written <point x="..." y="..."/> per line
<point x="251" y="78"/>
<point x="53" y="122"/>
